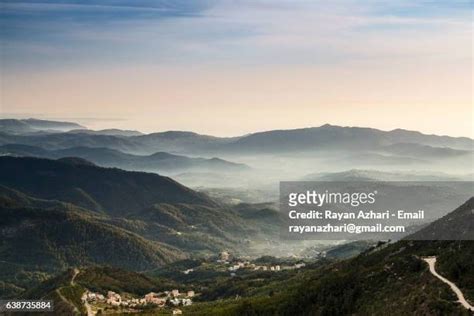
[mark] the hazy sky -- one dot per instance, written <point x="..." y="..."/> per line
<point x="233" y="67"/>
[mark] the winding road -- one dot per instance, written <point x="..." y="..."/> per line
<point x="76" y="272"/>
<point x="72" y="282"/>
<point x="58" y="291"/>
<point x="431" y="263"/>
<point x="88" y="307"/>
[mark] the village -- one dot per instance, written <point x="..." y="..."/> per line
<point x="234" y="264"/>
<point x="173" y="298"/>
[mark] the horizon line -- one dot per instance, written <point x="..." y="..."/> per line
<point x="71" y="120"/>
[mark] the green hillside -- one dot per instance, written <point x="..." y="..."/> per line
<point x="457" y="225"/>
<point x="102" y="279"/>
<point x="384" y="278"/>
<point x="109" y="190"/>
<point x="40" y="238"/>
<point x="48" y="233"/>
<point x="390" y="279"/>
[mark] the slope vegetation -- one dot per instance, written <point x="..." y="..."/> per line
<point x="113" y="191"/>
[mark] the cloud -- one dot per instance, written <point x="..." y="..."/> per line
<point x="227" y="62"/>
<point x="252" y="32"/>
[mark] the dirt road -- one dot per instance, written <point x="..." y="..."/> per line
<point x="431" y="263"/>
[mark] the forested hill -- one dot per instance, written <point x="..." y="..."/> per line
<point x="388" y="278"/>
<point x="457" y="225"/>
<point x="109" y="190"/>
<point x="57" y="214"/>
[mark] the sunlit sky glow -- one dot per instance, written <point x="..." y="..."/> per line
<point x="232" y="67"/>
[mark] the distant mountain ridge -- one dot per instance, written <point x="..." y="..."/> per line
<point x="25" y="126"/>
<point x="110" y="131"/>
<point x="375" y="175"/>
<point x="157" y="162"/>
<point x="182" y="141"/>
<point x="68" y="140"/>
<point x="275" y="141"/>
<point x="332" y="137"/>
<point x="412" y="149"/>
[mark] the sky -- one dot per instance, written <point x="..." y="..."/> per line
<point x="229" y="68"/>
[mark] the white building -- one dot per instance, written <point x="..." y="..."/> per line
<point x="113" y="298"/>
<point x="175" y="301"/>
<point x="224" y="256"/>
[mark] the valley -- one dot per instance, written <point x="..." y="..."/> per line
<point x="99" y="222"/>
<point x="236" y="158"/>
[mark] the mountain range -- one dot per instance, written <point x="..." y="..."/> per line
<point x="110" y="131"/>
<point x="376" y="175"/>
<point x="325" y="137"/>
<point x="100" y="189"/>
<point x="75" y="204"/>
<point x="30" y="126"/>
<point x="157" y="162"/>
<point x="337" y="137"/>
<point x="249" y="160"/>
